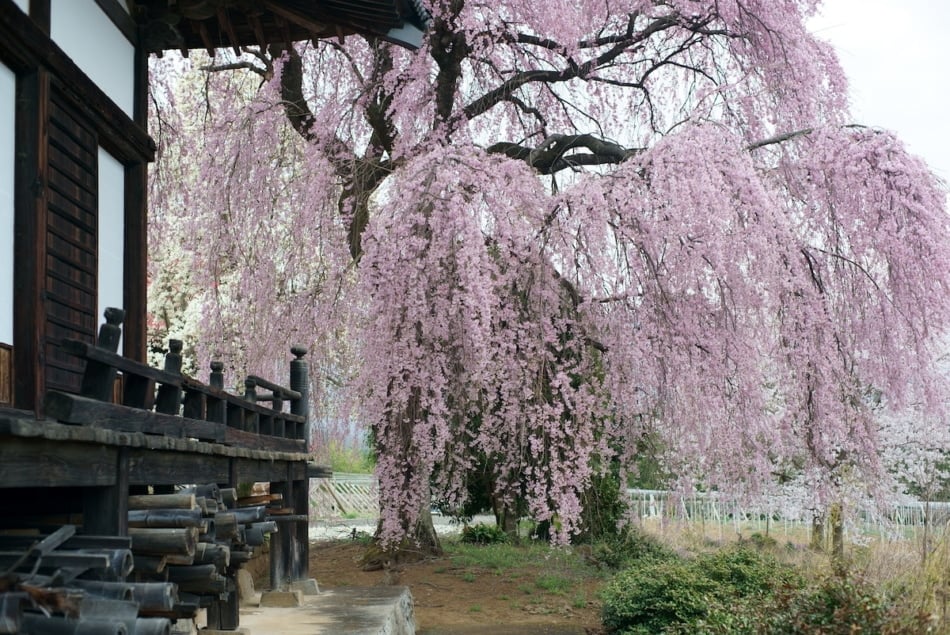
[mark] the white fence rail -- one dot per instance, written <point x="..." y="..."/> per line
<point x="356" y="496"/>
<point x="904" y="519"/>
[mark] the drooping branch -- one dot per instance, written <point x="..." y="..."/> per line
<point x="788" y="136"/>
<point x="781" y="138"/>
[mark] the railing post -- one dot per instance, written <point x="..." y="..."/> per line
<point x="251" y="419"/>
<point x="168" y="400"/>
<point x="98" y="380"/>
<point x="300" y="381"/>
<point x="215" y="407"/>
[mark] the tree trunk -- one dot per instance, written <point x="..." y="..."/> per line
<point x="421" y="542"/>
<point x="817" y="532"/>
<point x="836" y="517"/>
<point x="505" y="517"/>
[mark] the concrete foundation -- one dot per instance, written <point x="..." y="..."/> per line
<point x="382" y="610"/>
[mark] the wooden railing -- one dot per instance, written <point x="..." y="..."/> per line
<point x="166" y="402"/>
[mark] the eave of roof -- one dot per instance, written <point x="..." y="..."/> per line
<point x="193" y="24"/>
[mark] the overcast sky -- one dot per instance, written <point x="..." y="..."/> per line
<point x="897" y="57"/>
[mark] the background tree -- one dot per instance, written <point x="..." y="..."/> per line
<point x="576" y="227"/>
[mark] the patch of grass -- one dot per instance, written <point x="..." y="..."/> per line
<point x="482" y="534"/>
<point x="361" y="537"/>
<point x="579" y="600"/>
<point x="475" y="608"/>
<point x="496" y="557"/>
<point x="518" y="559"/>
<point x="526" y="589"/>
<point x="468" y="576"/>
<point x="553" y="583"/>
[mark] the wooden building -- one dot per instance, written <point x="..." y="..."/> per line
<point x="75" y="443"/>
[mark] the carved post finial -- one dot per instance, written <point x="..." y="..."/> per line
<point x="300" y="382"/>
<point x="173" y="357"/>
<point x="111" y="330"/>
<point x="250" y="389"/>
<point x="216" y="380"/>
<point x="114" y="315"/>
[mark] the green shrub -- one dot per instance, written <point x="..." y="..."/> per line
<point x="628" y="547"/>
<point x="482" y="534"/>
<point x="647" y="599"/>
<point x="842" y="605"/>
<point x="722" y="592"/>
<point x="762" y="541"/>
<point x="745" y="572"/>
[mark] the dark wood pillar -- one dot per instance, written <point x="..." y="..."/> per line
<point x="106" y="509"/>
<point x="300" y="382"/>
<point x="29" y="246"/>
<point x="282" y="543"/>
<point x="136" y="229"/>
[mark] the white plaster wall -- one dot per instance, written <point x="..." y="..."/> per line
<point x="7" y="122"/>
<point x="97" y="46"/>
<point x="111" y="232"/>
<point x="23" y="4"/>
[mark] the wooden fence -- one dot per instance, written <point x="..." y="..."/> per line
<point x="344" y="496"/>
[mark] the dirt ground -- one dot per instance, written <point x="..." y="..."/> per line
<point x="452" y="597"/>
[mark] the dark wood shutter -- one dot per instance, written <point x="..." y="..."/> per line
<point x="71" y="241"/>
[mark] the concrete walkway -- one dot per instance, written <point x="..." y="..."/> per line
<point x="379" y="610"/>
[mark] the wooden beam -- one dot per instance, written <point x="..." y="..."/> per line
<point x="45" y="463"/>
<point x="151" y="467"/>
<point x="202" y="31"/>
<point x="224" y="19"/>
<point x="40" y="14"/>
<point x="121" y="19"/>
<point x="25" y="48"/>
<point x="256" y="471"/>
<point x="292" y="16"/>
<point x="258" y="29"/>
<point x="284" y="31"/>
<point x="83" y="411"/>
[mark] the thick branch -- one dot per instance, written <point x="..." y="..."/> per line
<point x="623" y="44"/>
<point x="550" y="157"/>
<point x="291" y="92"/>
<point x="360" y="176"/>
<point x="449" y="48"/>
<point x="377" y="110"/>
